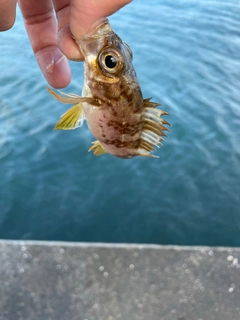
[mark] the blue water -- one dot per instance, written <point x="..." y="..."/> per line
<point x="187" y="57"/>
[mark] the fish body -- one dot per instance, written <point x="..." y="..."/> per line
<point x="124" y="124"/>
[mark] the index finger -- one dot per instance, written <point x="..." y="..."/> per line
<point x="41" y="26"/>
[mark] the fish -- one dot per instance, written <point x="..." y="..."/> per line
<point x="124" y="124"/>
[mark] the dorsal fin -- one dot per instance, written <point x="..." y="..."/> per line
<point x="153" y="127"/>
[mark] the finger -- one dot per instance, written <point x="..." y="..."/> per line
<point x="86" y="14"/>
<point x="66" y="42"/>
<point x="41" y="27"/>
<point x="95" y="12"/>
<point x="8" y="14"/>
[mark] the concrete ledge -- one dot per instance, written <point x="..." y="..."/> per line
<point x="84" y="281"/>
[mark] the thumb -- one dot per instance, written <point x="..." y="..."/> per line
<point x="87" y="14"/>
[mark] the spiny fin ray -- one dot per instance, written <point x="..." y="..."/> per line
<point x="70" y="98"/>
<point x="149" y="104"/>
<point x="153" y="128"/>
<point x="144" y="153"/>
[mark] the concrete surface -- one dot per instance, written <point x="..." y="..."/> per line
<point x="83" y="281"/>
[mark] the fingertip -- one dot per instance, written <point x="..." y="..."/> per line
<point x="68" y="45"/>
<point x="6" y="25"/>
<point x="54" y="66"/>
<point x="8" y="14"/>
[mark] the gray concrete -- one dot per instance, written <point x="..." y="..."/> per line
<point x="74" y="281"/>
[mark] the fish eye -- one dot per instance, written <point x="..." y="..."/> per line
<point x="110" y="61"/>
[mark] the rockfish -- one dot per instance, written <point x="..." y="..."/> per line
<point x="124" y="124"/>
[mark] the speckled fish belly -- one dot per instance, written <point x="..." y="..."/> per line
<point x="124" y="124"/>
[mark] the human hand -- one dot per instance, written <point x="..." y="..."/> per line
<point x="51" y="39"/>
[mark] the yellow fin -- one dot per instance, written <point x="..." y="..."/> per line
<point x="97" y="148"/>
<point x="70" y="98"/>
<point x="71" y="119"/>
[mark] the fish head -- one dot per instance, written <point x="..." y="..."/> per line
<point x="108" y="63"/>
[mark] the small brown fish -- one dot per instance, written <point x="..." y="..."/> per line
<point x="124" y="124"/>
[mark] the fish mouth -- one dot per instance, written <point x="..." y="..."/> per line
<point x="98" y="30"/>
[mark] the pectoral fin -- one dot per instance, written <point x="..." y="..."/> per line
<point x="70" y="98"/>
<point x="72" y="119"/>
<point x="97" y="148"/>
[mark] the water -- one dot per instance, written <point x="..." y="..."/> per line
<point x="186" y="55"/>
